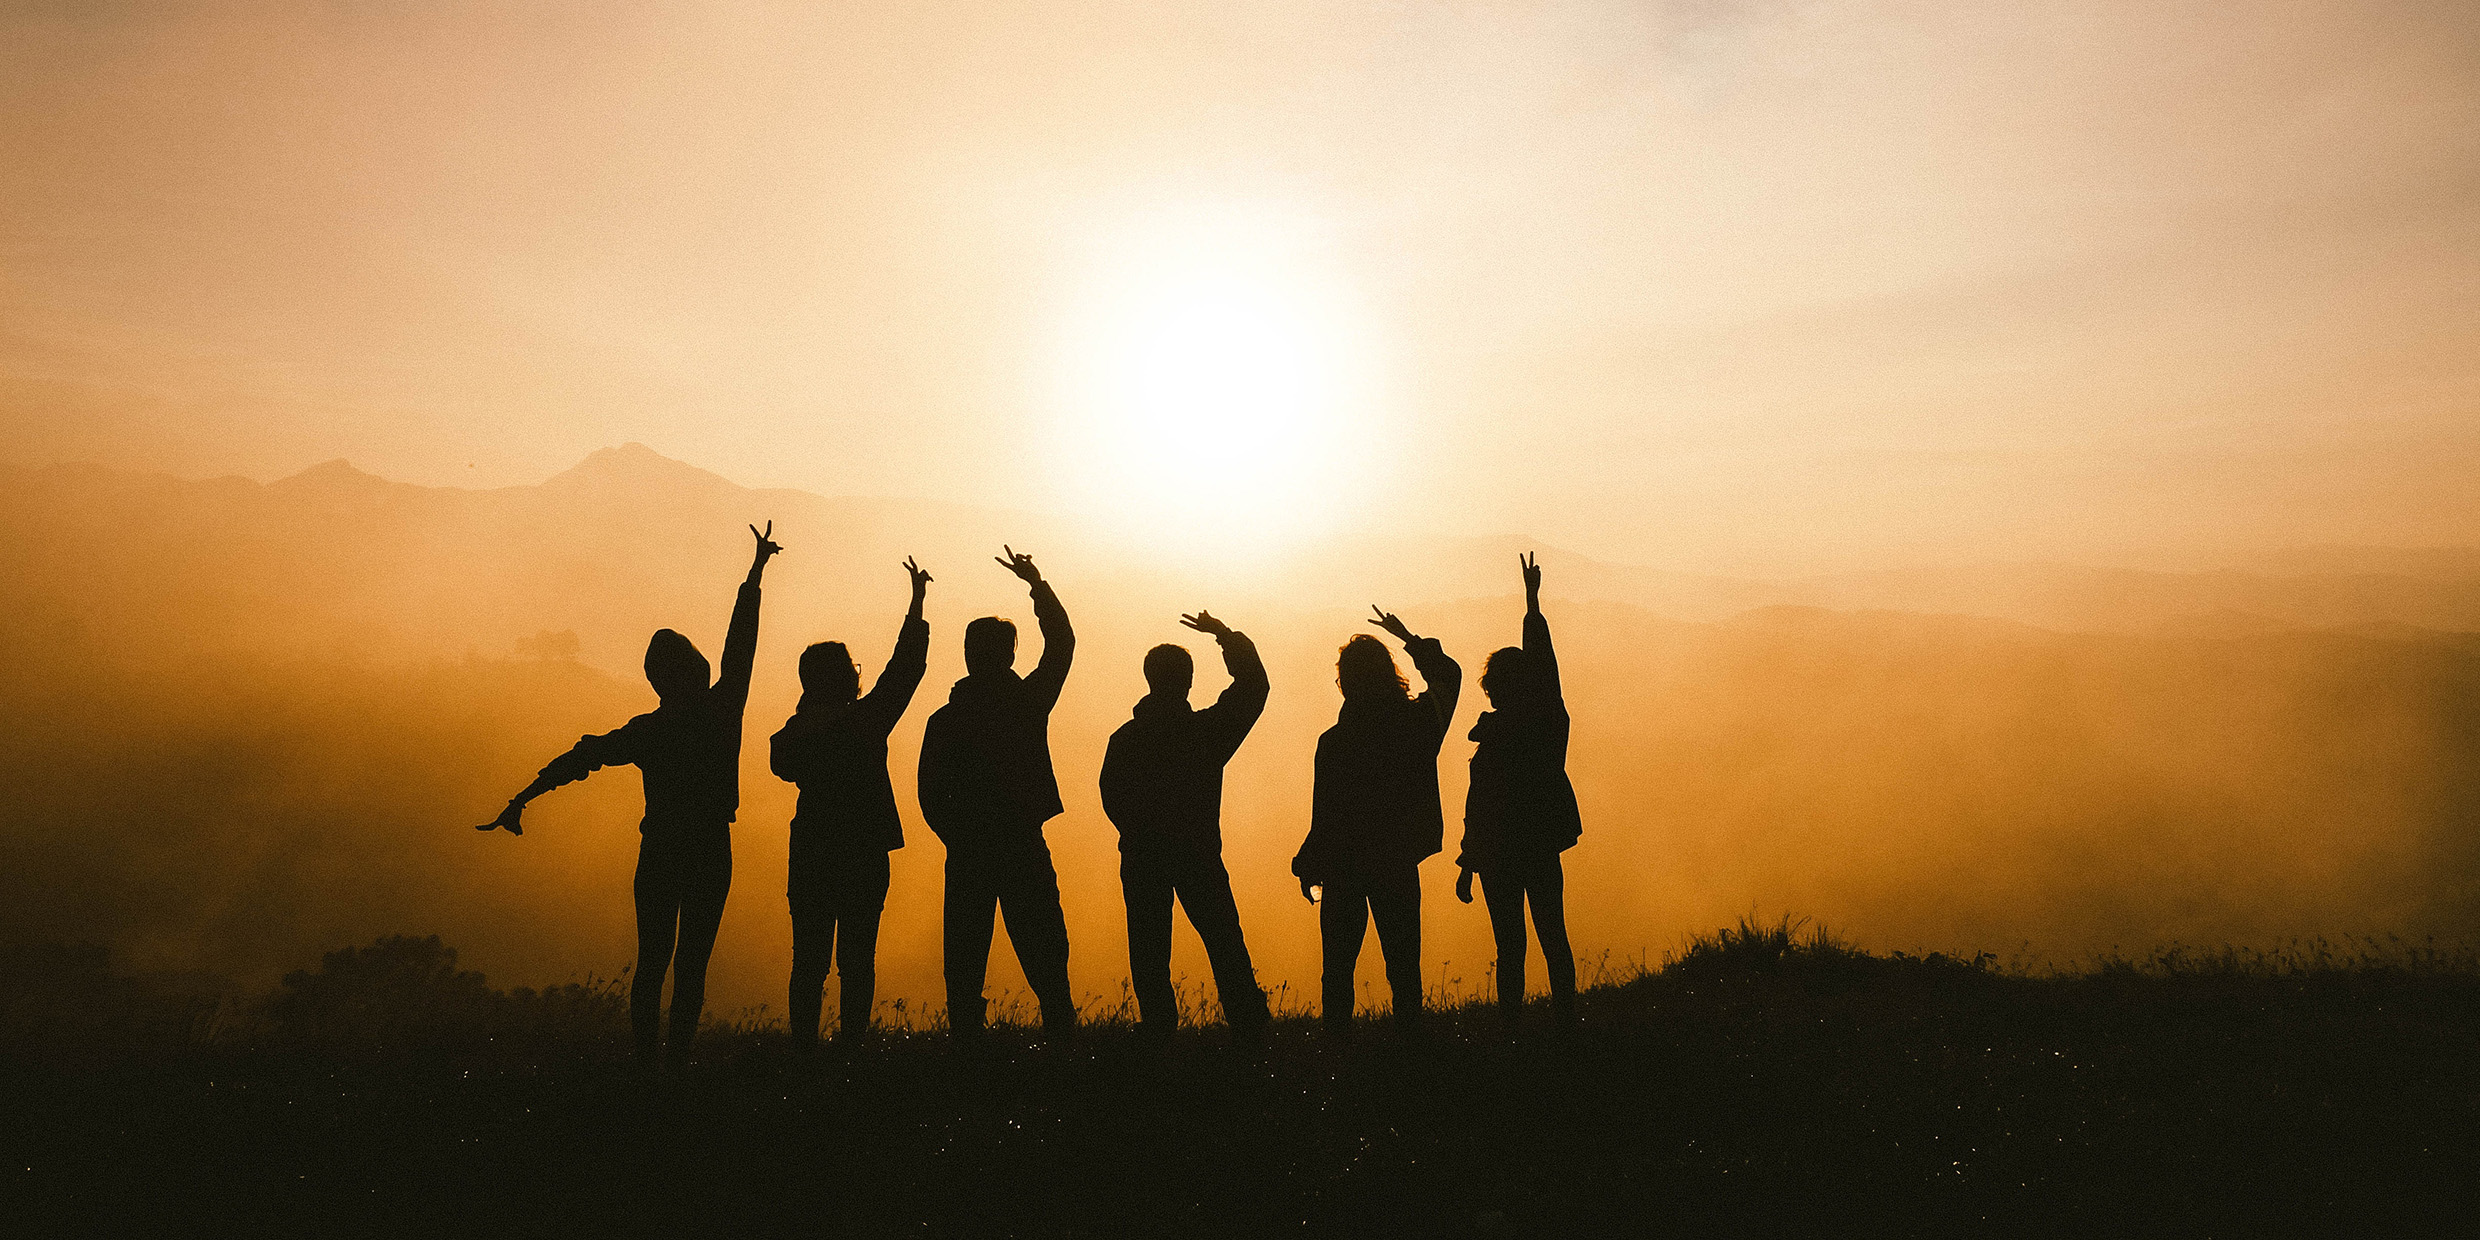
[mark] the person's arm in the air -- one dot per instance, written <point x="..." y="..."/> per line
<point x="1228" y="721"/>
<point x="590" y="754"/>
<point x="1442" y="678"/>
<point x="1540" y="659"/>
<point x="740" y="641"/>
<point x="887" y="699"/>
<point x="1058" y="639"/>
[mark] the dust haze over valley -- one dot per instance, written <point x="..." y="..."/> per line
<point x="251" y="722"/>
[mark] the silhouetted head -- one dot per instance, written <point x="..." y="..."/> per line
<point x="1169" y="670"/>
<point x="1508" y="677"/>
<point x="990" y="646"/>
<point x="828" y="670"/>
<point x="674" y="667"/>
<point x="1365" y="668"/>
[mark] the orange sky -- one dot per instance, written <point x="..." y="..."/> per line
<point x="1761" y="286"/>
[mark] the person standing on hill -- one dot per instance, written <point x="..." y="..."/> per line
<point x="1375" y="815"/>
<point x="1162" y="785"/>
<point x="835" y="749"/>
<point x="986" y="789"/>
<point x="689" y="750"/>
<point x="1521" y="813"/>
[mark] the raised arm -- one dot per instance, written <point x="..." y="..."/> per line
<point x="1539" y="658"/>
<point x="1442" y="678"/>
<point x="1228" y="721"/>
<point x="894" y="691"/>
<point x="1058" y="640"/>
<point x="740" y="641"/>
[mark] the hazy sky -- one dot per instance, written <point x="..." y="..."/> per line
<point x="1768" y="286"/>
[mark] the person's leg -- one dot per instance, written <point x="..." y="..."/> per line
<point x="1205" y="891"/>
<point x="857" y="945"/>
<point x="701" y="915"/>
<point x="1395" y="904"/>
<point x="813" y="951"/>
<point x="1343" y="922"/>
<point x="971" y="897"/>
<point x="1146" y="889"/>
<point x="1029" y="900"/>
<point x="657" y="892"/>
<point x="1546" y="887"/>
<point x="1502" y="889"/>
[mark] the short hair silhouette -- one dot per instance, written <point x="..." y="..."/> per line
<point x="1169" y="670"/>
<point x="1506" y="675"/>
<point x="674" y="666"/>
<point x="1365" y="668"/>
<point x="990" y="645"/>
<point x="827" y="669"/>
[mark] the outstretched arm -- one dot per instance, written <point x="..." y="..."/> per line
<point x="1058" y="639"/>
<point x="740" y="641"/>
<point x="589" y="754"/>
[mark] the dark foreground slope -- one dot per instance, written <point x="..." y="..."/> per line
<point x="1755" y="1086"/>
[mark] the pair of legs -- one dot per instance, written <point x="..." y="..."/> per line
<point x="1505" y="887"/>
<point x="1150" y="880"/>
<point x="681" y="884"/>
<point x="1391" y="897"/>
<point x="836" y="904"/>
<point x="1011" y="873"/>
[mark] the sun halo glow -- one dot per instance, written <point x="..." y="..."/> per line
<point x="1217" y="399"/>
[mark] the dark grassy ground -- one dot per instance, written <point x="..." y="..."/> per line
<point x="1758" y="1085"/>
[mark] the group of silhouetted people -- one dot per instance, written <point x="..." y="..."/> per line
<point x="987" y="788"/>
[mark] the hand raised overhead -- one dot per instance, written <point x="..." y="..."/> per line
<point x="510" y="818"/>
<point x="1021" y="565"/>
<point x="1387" y="620"/>
<point x="921" y="576"/>
<point x="1532" y="572"/>
<point x="1204" y="622"/>
<point x="767" y="546"/>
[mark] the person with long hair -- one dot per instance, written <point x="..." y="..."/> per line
<point x="689" y="749"/>
<point x="1521" y="812"/>
<point x="835" y="749"/>
<point x="1375" y="815"/>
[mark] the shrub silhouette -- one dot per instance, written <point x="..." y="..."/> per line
<point x="403" y="992"/>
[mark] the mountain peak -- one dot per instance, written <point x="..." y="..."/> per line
<point x="634" y="465"/>
<point x="335" y="475"/>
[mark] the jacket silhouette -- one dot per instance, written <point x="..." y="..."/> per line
<point x="986" y="789"/>
<point x="1162" y="786"/>
<point x="688" y="750"/>
<point x="835" y="749"/>
<point x="1375" y="815"/>
<point x="1521" y="811"/>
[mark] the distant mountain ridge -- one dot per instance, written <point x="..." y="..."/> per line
<point x="415" y="552"/>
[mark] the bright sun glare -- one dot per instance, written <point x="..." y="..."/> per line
<point x="1218" y="389"/>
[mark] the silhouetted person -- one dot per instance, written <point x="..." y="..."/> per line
<point x="835" y="748"/>
<point x="1162" y="785"/>
<point x="689" y="749"/>
<point x="986" y="790"/>
<point x="1374" y="814"/>
<point x="1521" y="812"/>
